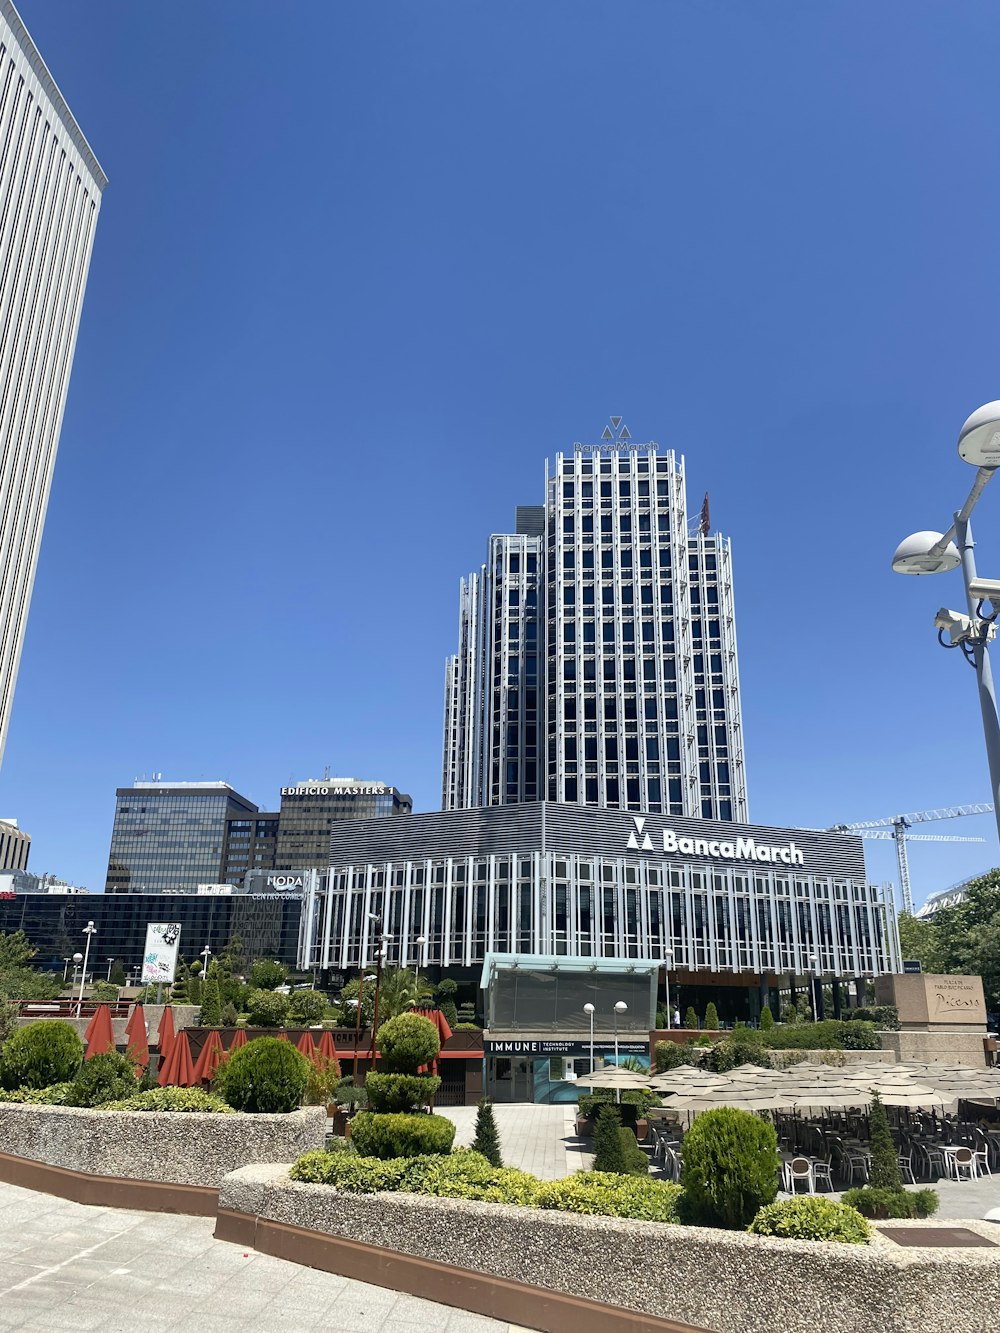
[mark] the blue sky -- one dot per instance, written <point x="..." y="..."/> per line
<point x="361" y="268"/>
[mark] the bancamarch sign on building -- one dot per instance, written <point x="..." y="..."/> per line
<point x="542" y="877"/>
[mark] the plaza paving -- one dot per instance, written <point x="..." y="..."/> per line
<point x="67" y="1268"/>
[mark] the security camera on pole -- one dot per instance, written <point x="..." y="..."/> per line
<point x="936" y="553"/>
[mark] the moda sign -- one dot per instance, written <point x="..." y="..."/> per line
<point x="725" y="849"/>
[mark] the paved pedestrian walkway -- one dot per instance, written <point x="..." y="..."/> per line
<point x="539" y="1139"/>
<point x="68" y="1268"/>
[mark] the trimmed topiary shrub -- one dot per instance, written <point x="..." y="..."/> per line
<point x="812" y="1218"/>
<point x="386" y="1136"/>
<point x="711" y="1017"/>
<point x="671" y="1055"/>
<point x="612" y="1196"/>
<point x="103" y="1078"/>
<point x="267" y="1009"/>
<point x="268" y="974"/>
<point x="691" y="1019"/>
<point x="406" y="1042"/>
<point x="766" y="1019"/>
<point x="267" y="1074"/>
<point x="730" y="1168"/>
<point x="744" y="1047"/>
<point x="609" y="1148"/>
<point x="172" y="1099"/>
<point x="487" y="1139"/>
<point x="211" y="999"/>
<point x="41" y="1054"/>
<point x="391" y="1093"/>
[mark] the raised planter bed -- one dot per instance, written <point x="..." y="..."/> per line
<point x="189" y="1148"/>
<point x="567" y="1270"/>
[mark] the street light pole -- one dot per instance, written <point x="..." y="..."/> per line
<point x="667" y="957"/>
<point x="620" y="1008"/>
<point x="111" y="963"/>
<point x="588" y="1009"/>
<point x="984" y="671"/>
<point x="421" y="942"/>
<point x="89" y="930"/>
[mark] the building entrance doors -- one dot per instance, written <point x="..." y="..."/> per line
<point x="511" y="1079"/>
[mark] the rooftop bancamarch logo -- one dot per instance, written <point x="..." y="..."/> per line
<point x="733" y="849"/>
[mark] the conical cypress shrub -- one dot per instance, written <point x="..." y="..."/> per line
<point x="487" y="1140"/>
<point x="691" y="1019"/>
<point x="609" y="1151"/>
<point x="766" y="1018"/>
<point x="884" y="1172"/>
<point x="211" y="1000"/>
<point x="712" y="1017"/>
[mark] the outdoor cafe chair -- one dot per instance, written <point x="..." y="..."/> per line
<point x="822" y="1172"/>
<point x="964" y="1159"/>
<point x="905" y="1160"/>
<point x="796" y="1169"/>
<point x="932" y="1159"/>
<point x="981" y="1150"/>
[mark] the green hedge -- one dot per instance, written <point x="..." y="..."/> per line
<point x="830" y="1034"/>
<point x="172" y="1099"/>
<point x="812" y="1219"/>
<point x="103" y="1078"/>
<point x="467" y="1175"/>
<point x="383" y="1136"/>
<point x="54" y="1095"/>
<point x="873" y="1202"/>
<point x="884" y="1017"/>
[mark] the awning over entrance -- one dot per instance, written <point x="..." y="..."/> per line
<point x="542" y="997"/>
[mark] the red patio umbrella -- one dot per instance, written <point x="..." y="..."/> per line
<point x="166" y="1035"/>
<point x="211" y="1057"/>
<point x="239" y="1038"/>
<point x="326" y="1046"/>
<point x="178" y="1070"/>
<point x="436" y="1017"/>
<point x="136" y="1042"/>
<point x="100" y="1036"/>
<point x="308" y="1047"/>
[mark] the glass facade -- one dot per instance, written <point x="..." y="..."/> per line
<point x="597" y="660"/>
<point x="267" y="926"/>
<point x="308" y="810"/>
<point x="171" y="837"/>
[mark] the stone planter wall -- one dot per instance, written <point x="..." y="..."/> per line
<point x="189" y="1148"/>
<point x="724" y="1281"/>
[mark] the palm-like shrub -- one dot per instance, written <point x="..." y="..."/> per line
<point x="267" y="1074"/>
<point x="41" y="1054"/>
<point x="730" y="1168"/>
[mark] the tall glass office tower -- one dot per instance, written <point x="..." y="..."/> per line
<point x="50" y="195"/>
<point x="597" y="649"/>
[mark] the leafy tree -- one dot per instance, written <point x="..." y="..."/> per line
<point x="104" y="992"/>
<point x="268" y="974"/>
<point x="968" y="936"/>
<point x="349" y="999"/>
<point x="267" y="1009"/>
<point x="691" y="1019"/>
<point x="18" y="980"/>
<point x="119" y="976"/>
<point x="919" y="939"/>
<point x="8" y="1021"/>
<point x="711" y="1017"/>
<point x="306" y="1006"/>
<point x="487" y="1140"/>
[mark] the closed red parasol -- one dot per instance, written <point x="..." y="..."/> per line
<point x="436" y="1017"/>
<point x="326" y="1046"/>
<point x="178" y="1071"/>
<point x="211" y="1057"/>
<point x="308" y="1047"/>
<point x="166" y="1036"/>
<point x="239" y="1038"/>
<point x="136" y="1041"/>
<point x="100" y="1036"/>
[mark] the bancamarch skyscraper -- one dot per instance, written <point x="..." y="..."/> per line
<point x="597" y="649"/>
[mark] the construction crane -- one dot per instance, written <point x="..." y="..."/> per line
<point x="897" y="828"/>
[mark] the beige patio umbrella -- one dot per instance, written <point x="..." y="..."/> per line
<point x="614" y="1077"/>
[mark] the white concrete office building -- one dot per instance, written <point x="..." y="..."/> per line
<point x="597" y="649"/>
<point x="50" y="196"/>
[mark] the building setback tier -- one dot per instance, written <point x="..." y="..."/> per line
<point x="571" y="880"/>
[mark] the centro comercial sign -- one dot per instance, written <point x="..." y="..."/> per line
<point x="730" y="849"/>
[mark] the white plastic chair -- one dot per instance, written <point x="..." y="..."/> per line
<point x="799" y="1168"/>
<point x="964" y="1159"/>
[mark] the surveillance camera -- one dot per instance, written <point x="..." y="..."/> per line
<point x="957" y="626"/>
<point x="987" y="590"/>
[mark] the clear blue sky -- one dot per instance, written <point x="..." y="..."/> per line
<point x="361" y="268"/>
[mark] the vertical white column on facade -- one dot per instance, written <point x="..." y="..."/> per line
<point x="472" y="890"/>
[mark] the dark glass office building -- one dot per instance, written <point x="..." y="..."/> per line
<point x="171" y="835"/>
<point x="268" y="926"/>
<point x="309" y="809"/>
